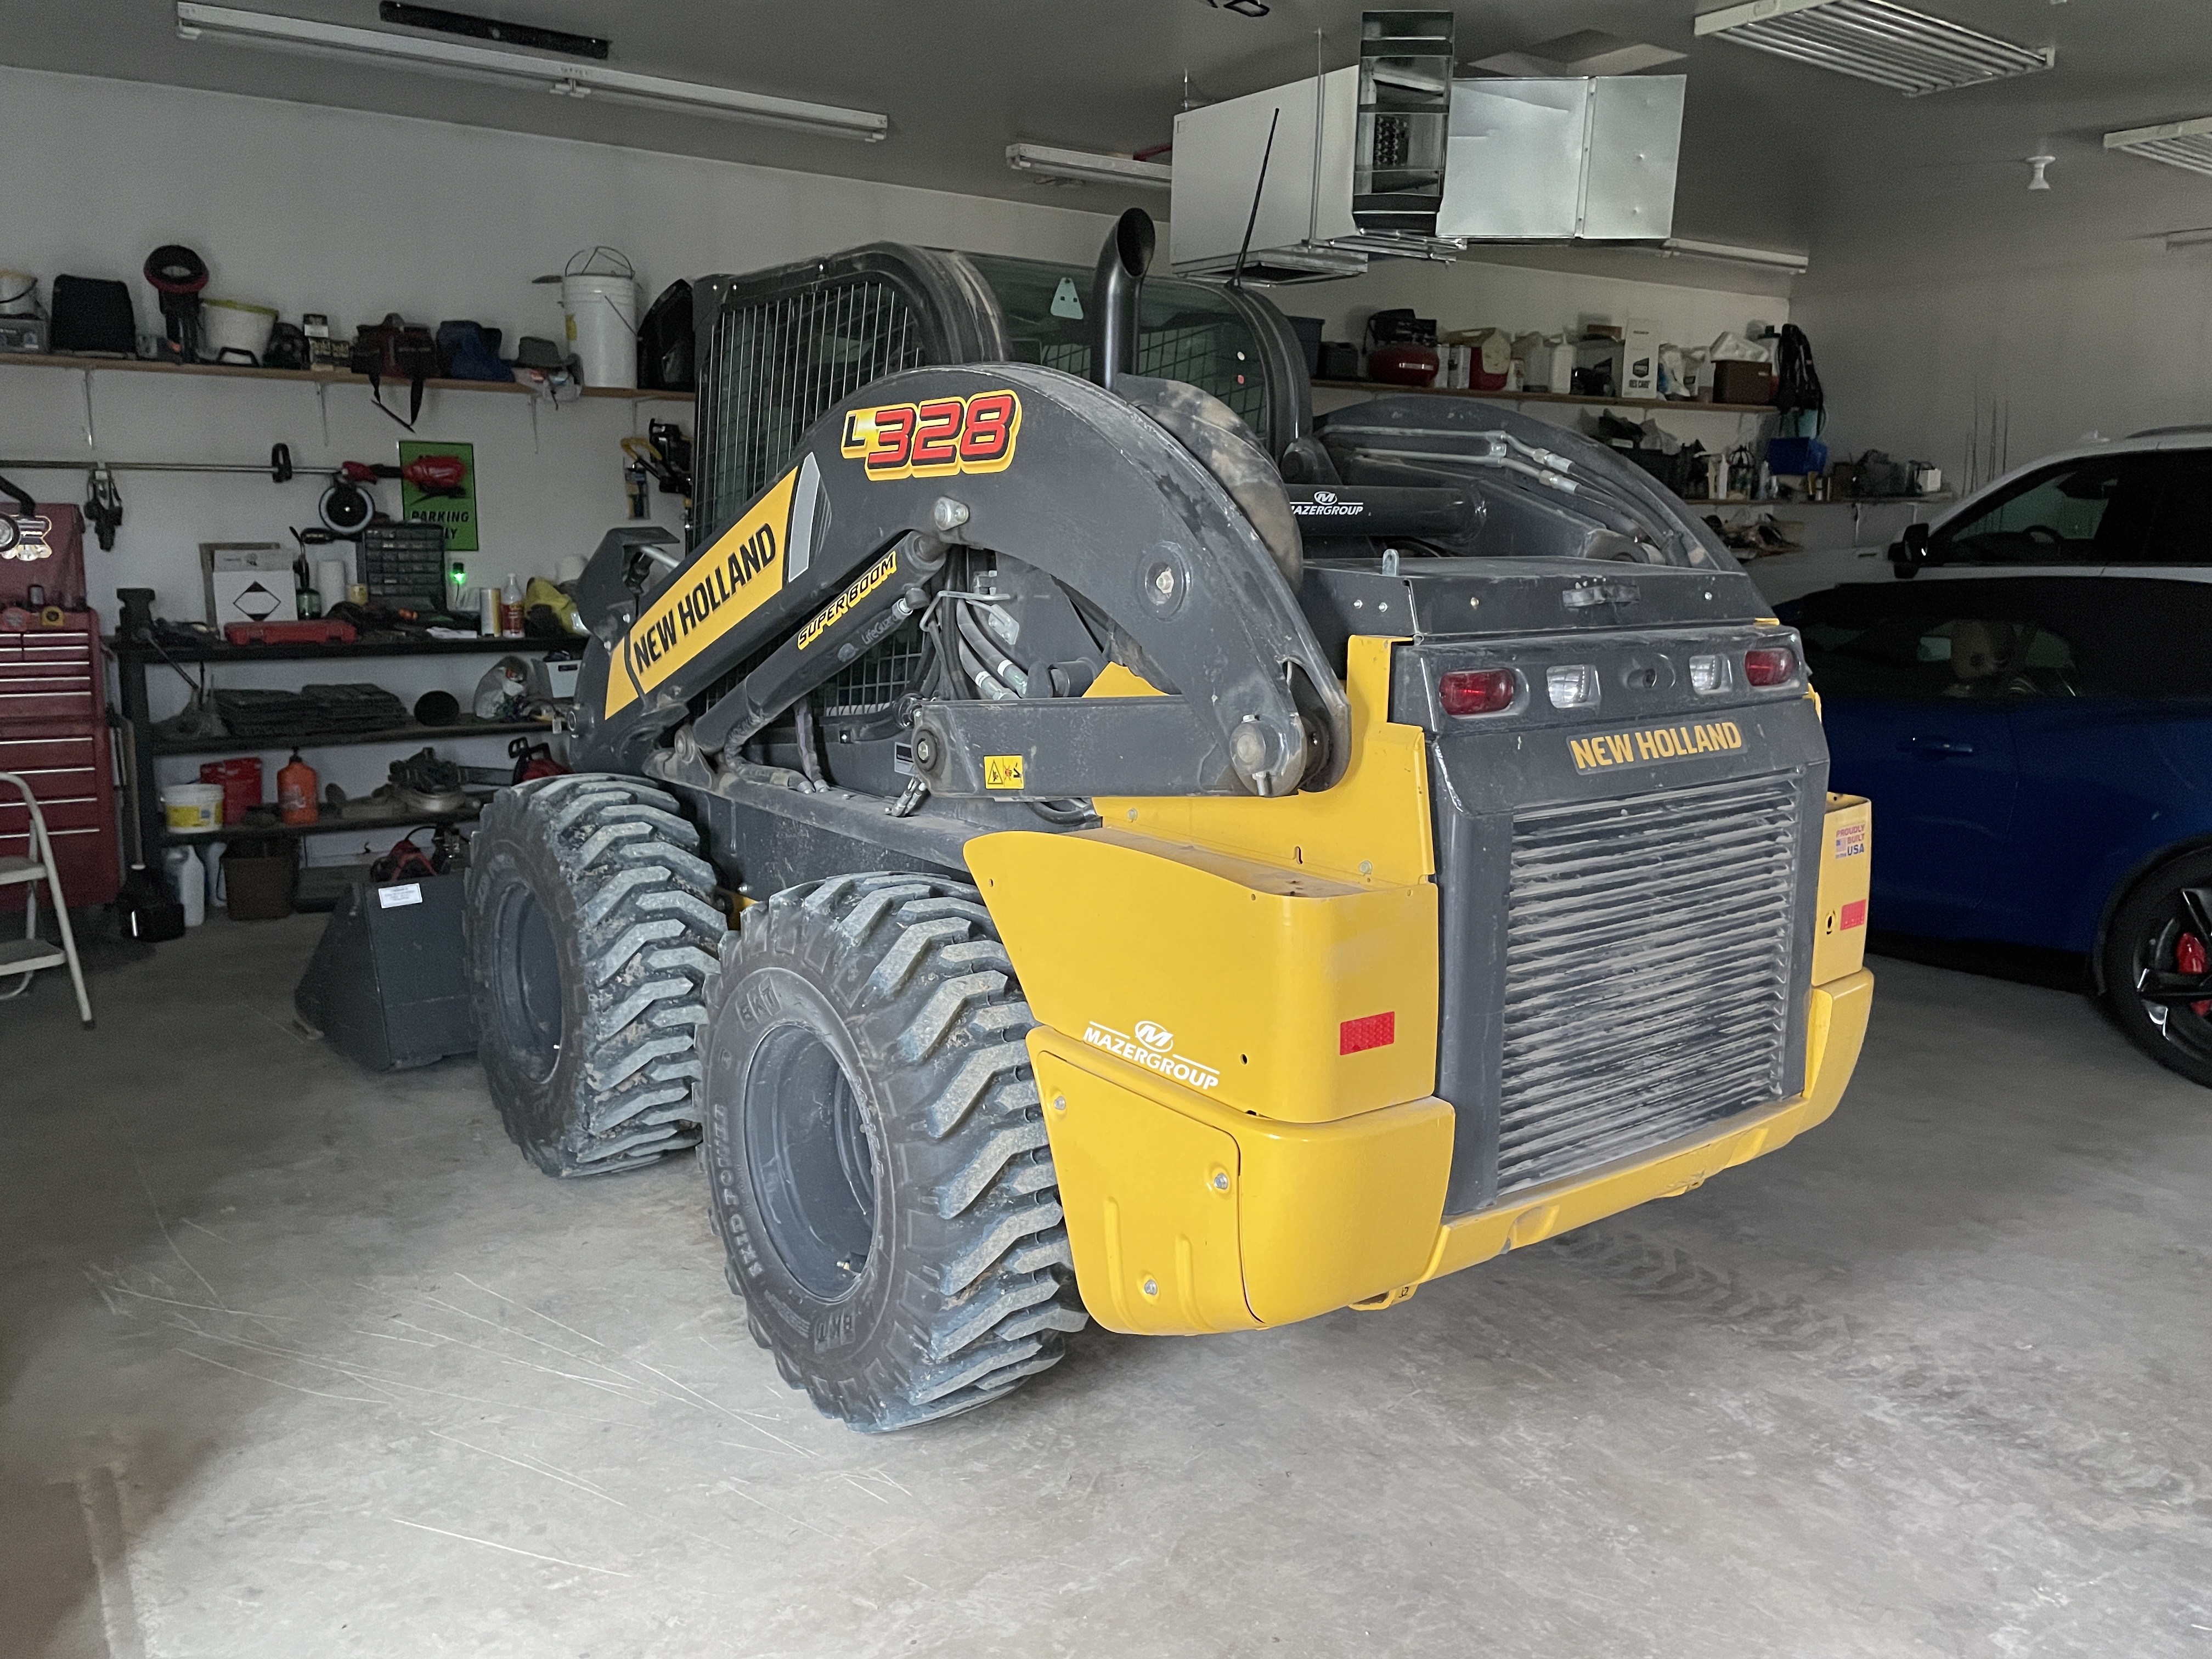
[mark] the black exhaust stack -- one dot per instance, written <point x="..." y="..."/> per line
<point x="1114" y="288"/>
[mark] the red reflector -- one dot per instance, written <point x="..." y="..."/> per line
<point x="1369" y="1031"/>
<point x="1854" y="914"/>
<point x="1477" y="691"/>
<point x="1769" y="664"/>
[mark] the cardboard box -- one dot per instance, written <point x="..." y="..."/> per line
<point x="1742" y="383"/>
<point x="1640" y="359"/>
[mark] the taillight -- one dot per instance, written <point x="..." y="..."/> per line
<point x="1769" y="664"/>
<point x="1708" y="674"/>
<point x="1479" y="690"/>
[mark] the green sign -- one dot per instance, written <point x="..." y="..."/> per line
<point x="429" y="494"/>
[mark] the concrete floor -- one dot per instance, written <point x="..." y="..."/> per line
<point x="298" y="1362"/>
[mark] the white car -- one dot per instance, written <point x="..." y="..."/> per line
<point x="2139" y="505"/>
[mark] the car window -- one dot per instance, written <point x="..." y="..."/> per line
<point x="2085" y="512"/>
<point x="2010" y="639"/>
<point x="2181" y="518"/>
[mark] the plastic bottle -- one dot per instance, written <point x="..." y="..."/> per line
<point x="211" y="855"/>
<point x="510" y="609"/>
<point x="295" y="792"/>
<point x="305" y="600"/>
<point x="488" y="619"/>
<point x="186" y="880"/>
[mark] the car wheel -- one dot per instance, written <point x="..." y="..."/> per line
<point x="2158" y="966"/>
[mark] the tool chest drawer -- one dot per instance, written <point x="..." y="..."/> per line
<point x="49" y="674"/>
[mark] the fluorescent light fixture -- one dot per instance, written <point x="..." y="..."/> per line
<point x="567" y="78"/>
<point x="1892" y="46"/>
<point x="2178" y="240"/>
<point x="1083" y="167"/>
<point x="2178" y="143"/>
<point x="1766" y="258"/>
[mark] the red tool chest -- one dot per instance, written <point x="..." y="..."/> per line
<point x="53" y="733"/>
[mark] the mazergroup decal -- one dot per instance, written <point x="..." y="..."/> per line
<point x="1654" y="743"/>
<point x="1153" y="1048"/>
<point x="1325" y="505"/>
<point x="936" y="437"/>
<point x="869" y="581"/>
<point x="740" y="573"/>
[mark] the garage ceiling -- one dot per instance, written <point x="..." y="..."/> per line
<point x="1774" y="154"/>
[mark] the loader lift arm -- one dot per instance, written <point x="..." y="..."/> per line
<point x="1029" y="465"/>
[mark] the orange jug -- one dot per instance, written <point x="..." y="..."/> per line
<point x="295" y="790"/>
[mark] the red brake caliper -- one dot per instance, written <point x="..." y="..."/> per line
<point x="2190" y="957"/>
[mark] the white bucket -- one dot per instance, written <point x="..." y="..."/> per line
<point x="19" y="294"/>
<point x="602" y="327"/>
<point x="188" y="807"/>
<point x="234" y="327"/>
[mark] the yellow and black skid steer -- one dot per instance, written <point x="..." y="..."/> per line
<point x="1070" y="836"/>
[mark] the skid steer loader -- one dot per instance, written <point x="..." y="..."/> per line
<point x="1074" y="836"/>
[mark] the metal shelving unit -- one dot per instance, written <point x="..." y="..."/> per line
<point x="143" y="789"/>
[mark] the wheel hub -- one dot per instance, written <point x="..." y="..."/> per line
<point x="813" y="1171"/>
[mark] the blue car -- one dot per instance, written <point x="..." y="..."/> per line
<point x="2039" y="750"/>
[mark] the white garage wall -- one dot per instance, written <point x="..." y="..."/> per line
<point x="356" y="215"/>
<point x="2116" y="341"/>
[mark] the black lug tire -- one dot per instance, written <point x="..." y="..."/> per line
<point x="593" y="938"/>
<point x="2141" y="933"/>
<point x="966" y="1287"/>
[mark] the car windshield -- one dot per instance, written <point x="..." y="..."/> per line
<point x="2054" y="518"/>
<point x="2010" y="639"/>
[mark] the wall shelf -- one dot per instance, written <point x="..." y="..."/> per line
<point x="365" y="814"/>
<point x="1684" y="405"/>
<point x="413" y="732"/>
<point x="316" y="377"/>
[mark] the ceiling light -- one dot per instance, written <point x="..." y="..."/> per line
<point x="1083" y="167"/>
<point x="2178" y="240"/>
<point x="564" y="76"/>
<point x="2041" y="164"/>
<point x="1907" y="51"/>
<point x="1766" y="258"/>
<point x="2178" y="143"/>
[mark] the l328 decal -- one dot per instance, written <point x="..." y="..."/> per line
<point x="936" y="437"/>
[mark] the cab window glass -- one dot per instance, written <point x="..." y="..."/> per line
<point x="2005" y="641"/>
<point x="1185" y="330"/>
<point x="2078" y="514"/>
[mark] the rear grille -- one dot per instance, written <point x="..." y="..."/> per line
<point x="776" y="368"/>
<point x="1648" y="969"/>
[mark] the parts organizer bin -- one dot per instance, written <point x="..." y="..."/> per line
<point x="404" y="564"/>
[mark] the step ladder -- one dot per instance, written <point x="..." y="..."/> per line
<point x="26" y="955"/>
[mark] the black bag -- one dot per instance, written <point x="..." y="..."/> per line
<point x="469" y="351"/>
<point x="665" y="341"/>
<point x="92" y="313"/>
<point x="396" y="350"/>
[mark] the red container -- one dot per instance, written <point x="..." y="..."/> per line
<point x="1403" y="364"/>
<point x="240" y="779"/>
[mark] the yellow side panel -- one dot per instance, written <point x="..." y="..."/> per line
<point x="1234" y="979"/>
<point x="1846" y="859"/>
<point x="1334" y="1213"/>
<point x="1186" y="1217"/>
<point x="1373" y="826"/>
<point x="1837" y="1027"/>
<point x="1152" y="1229"/>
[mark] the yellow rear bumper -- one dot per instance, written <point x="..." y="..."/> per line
<point x="1838" y="1027"/>
<point x="1196" y="1217"/>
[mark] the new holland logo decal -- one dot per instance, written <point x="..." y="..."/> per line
<point x="936" y="437"/>
<point x="1654" y="743"/>
<point x="740" y="573"/>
